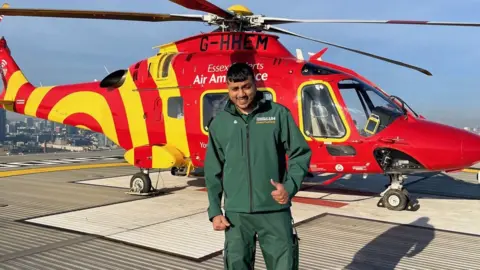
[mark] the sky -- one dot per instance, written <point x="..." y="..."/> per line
<point x="55" y="51"/>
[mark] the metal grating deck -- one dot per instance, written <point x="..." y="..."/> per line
<point x="327" y="242"/>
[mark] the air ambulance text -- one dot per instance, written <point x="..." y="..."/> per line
<point x="202" y="79"/>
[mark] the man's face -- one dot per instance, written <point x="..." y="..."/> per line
<point x="242" y="93"/>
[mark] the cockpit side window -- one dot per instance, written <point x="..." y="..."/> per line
<point x="364" y="102"/>
<point x="320" y="115"/>
<point x="356" y="105"/>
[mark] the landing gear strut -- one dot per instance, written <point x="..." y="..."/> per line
<point x="396" y="197"/>
<point x="141" y="184"/>
<point x="182" y="171"/>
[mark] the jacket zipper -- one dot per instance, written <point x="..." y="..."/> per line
<point x="242" y="143"/>
<point x="249" y="170"/>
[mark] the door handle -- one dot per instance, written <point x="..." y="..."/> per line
<point x="390" y="140"/>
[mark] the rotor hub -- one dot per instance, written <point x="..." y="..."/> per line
<point x="240" y="10"/>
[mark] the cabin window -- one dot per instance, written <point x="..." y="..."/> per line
<point x="175" y="107"/>
<point x="212" y="104"/>
<point x="320" y="115"/>
<point x="166" y="65"/>
<point x="159" y="66"/>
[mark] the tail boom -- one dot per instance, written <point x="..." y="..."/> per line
<point x="84" y="105"/>
<point x="131" y="114"/>
<point x="14" y="81"/>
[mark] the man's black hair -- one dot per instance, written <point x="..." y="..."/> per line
<point x="239" y="72"/>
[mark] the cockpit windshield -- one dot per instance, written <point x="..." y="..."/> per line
<point x="369" y="108"/>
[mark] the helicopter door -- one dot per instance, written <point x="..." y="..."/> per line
<point x="172" y="103"/>
<point x="174" y="120"/>
<point x="321" y="119"/>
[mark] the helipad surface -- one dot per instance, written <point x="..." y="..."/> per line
<point x="176" y="223"/>
<point x="347" y="232"/>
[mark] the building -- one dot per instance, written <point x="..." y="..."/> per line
<point x="3" y="124"/>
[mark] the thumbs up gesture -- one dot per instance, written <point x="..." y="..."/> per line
<point x="279" y="194"/>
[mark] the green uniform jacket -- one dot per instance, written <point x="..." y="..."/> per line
<point x="245" y="152"/>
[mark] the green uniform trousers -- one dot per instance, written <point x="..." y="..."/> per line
<point x="276" y="236"/>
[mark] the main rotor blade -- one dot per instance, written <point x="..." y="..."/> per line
<point x="96" y="14"/>
<point x="203" y="5"/>
<point x="283" y="31"/>
<point x="273" y="20"/>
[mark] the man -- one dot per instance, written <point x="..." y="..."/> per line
<point x="245" y="160"/>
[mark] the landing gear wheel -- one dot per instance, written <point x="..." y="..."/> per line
<point x="396" y="197"/>
<point x="395" y="200"/>
<point x="140" y="183"/>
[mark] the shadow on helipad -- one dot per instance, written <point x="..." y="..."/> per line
<point x="425" y="185"/>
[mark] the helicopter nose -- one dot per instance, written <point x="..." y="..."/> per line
<point x="471" y="148"/>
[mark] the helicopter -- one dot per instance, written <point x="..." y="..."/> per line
<point x="158" y="109"/>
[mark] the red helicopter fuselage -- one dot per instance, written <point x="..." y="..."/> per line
<point x="159" y="108"/>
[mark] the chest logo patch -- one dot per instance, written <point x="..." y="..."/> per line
<point x="266" y="120"/>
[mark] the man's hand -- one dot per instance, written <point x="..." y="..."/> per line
<point x="220" y="223"/>
<point x="279" y="194"/>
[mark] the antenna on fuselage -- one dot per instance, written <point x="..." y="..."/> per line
<point x="299" y="54"/>
<point x="108" y="73"/>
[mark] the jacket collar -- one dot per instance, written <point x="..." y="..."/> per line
<point x="259" y="102"/>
